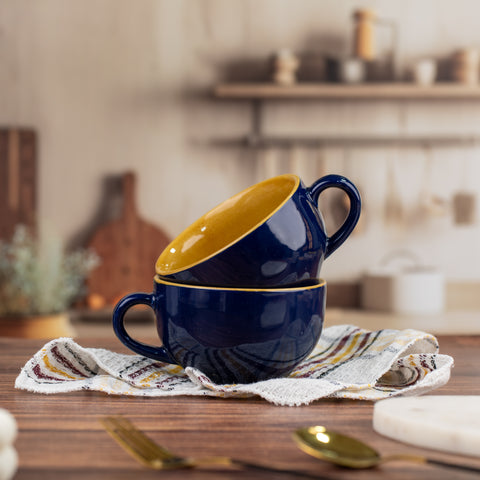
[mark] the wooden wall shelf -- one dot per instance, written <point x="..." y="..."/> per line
<point x="259" y="93"/>
<point x="333" y="91"/>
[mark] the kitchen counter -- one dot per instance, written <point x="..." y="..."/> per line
<point x="464" y="322"/>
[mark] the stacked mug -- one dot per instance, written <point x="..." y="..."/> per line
<point x="237" y="295"/>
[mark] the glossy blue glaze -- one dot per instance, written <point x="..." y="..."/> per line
<point x="287" y="248"/>
<point x="231" y="335"/>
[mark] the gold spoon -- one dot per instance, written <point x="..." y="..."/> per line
<point x="351" y="453"/>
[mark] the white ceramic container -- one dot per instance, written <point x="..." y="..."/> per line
<point x="412" y="290"/>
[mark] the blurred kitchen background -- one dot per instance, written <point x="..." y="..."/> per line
<point x="185" y="94"/>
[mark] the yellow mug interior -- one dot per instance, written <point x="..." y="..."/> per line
<point x="225" y="224"/>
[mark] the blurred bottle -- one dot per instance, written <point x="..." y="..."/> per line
<point x="285" y="66"/>
<point x="465" y="66"/>
<point x="364" y="36"/>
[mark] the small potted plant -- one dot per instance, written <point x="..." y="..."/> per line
<point x="39" y="282"/>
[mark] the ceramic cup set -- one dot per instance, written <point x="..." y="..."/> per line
<point x="238" y="294"/>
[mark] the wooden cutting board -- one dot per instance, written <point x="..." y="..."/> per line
<point x="18" y="180"/>
<point x="128" y="248"/>
<point x="450" y="423"/>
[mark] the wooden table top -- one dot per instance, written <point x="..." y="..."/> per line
<point x="60" y="436"/>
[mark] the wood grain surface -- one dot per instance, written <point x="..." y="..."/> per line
<point x="60" y="436"/>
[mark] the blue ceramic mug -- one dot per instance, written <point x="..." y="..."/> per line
<point x="271" y="234"/>
<point x="232" y="335"/>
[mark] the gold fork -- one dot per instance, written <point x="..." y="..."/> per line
<point x="154" y="456"/>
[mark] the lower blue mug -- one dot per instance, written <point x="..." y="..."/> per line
<point x="232" y="335"/>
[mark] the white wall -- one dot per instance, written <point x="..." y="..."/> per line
<point x="111" y="85"/>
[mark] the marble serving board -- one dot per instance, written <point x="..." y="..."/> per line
<point x="449" y="423"/>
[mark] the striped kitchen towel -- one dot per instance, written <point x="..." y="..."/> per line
<point x="348" y="362"/>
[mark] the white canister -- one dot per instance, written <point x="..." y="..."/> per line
<point x="424" y="71"/>
<point x="351" y="70"/>
<point x="411" y="290"/>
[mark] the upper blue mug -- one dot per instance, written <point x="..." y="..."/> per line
<point x="270" y="234"/>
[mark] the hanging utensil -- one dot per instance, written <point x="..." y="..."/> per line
<point x="336" y="204"/>
<point x="394" y="211"/>
<point x="267" y="163"/>
<point x="297" y="163"/>
<point x="350" y="172"/>
<point x="464" y="201"/>
<point x="431" y="205"/>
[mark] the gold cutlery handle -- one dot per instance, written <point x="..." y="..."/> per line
<point x="231" y="462"/>
<point x="458" y="466"/>
<point x="431" y="461"/>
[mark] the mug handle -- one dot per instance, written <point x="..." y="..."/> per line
<point x="348" y="225"/>
<point x="157" y="353"/>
